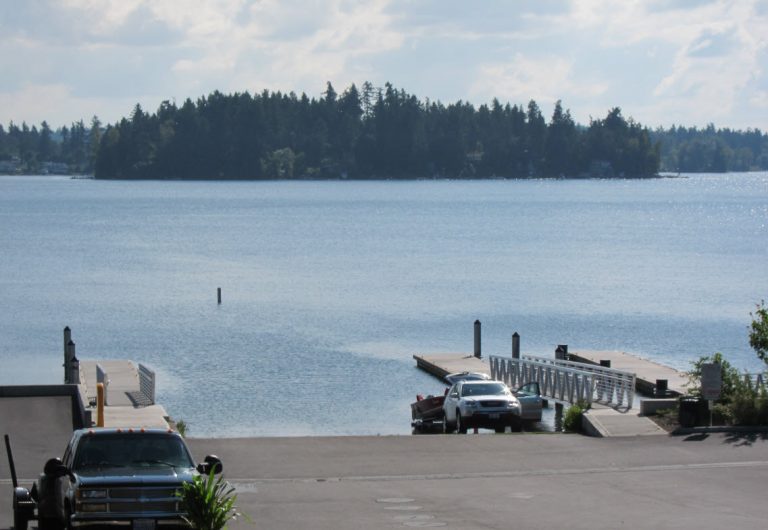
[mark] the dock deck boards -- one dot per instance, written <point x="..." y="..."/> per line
<point x="443" y="364"/>
<point x="121" y="409"/>
<point x="647" y="371"/>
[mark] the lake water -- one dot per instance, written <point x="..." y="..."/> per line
<point x="329" y="288"/>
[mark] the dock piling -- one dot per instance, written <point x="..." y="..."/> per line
<point x="218" y="294"/>
<point x="67" y="340"/>
<point x="478" y="352"/>
<point x="561" y="353"/>
<point x="515" y="345"/>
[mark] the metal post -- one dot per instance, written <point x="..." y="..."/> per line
<point x="218" y="292"/>
<point x="515" y="345"/>
<point x="11" y="465"/>
<point x="72" y="375"/>
<point x="67" y="340"/>
<point x="478" y="352"/>
<point x="100" y="404"/>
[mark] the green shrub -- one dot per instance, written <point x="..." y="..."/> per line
<point x="573" y="416"/>
<point x="181" y="428"/>
<point x="740" y="403"/>
<point x="209" y="502"/>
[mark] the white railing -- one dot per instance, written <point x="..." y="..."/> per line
<point x="147" y="383"/>
<point x="566" y="380"/>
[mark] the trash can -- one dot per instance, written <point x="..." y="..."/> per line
<point x="688" y="411"/>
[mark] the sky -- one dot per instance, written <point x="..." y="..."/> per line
<point x="663" y="62"/>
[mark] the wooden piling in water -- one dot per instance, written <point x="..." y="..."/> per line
<point x="478" y="352"/>
<point x="515" y="345"/>
<point x="218" y="294"/>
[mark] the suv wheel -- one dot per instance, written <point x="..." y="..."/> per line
<point x="460" y="427"/>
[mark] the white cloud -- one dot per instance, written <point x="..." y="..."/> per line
<point x="543" y="78"/>
<point x="690" y="61"/>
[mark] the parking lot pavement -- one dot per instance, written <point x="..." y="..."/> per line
<point x="497" y="481"/>
<point x="493" y="481"/>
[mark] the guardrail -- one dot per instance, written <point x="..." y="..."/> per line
<point x="147" y="383"/>
<point x="566" y="380"/>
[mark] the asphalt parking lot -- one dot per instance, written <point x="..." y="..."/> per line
<point x="492" y="481"/>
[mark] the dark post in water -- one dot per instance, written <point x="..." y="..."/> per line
<point x="72" y="374"/>
<point x="67" y="340"/>
<point x="218" y="293"/>
<point x="478" y="353"/>
<point x="515" y="345"/>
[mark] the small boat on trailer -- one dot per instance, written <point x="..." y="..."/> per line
<point x="427" y="412"/>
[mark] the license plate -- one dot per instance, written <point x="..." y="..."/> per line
<point x="143" y="524"/>
<point x="494" y="415"/>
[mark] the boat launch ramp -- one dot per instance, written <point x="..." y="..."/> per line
<point x="607" y="380"/>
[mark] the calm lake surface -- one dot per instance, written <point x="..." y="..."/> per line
<point x="329" y="288"/>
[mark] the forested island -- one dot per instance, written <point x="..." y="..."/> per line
<point x="369" y="133"/>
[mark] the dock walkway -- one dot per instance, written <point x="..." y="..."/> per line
<point x="123" y="408"/>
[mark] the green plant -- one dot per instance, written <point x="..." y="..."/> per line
<point x="758" y="334"/>
<point x="209" y="502"/>
<point x="181" y="427"/>
<point x="573" y="416"/>
<point x="729" y="375"/>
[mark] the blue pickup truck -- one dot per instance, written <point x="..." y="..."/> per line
<point x="112" y="476"/>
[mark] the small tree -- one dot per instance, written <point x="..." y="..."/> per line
<point x="209" y="502"/>
<point x="758" y="334"/>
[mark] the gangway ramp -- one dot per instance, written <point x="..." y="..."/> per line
<point x="567" y="381"/>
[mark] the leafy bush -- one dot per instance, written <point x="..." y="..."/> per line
<point x="208" y="502"/>
<point x="741" y="402"/>
<point x="181" y="427"/>
<point x="573" y="416"/>
<point x="758" y="333"/>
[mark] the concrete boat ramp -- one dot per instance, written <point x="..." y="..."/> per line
<point x="600" y="420"/>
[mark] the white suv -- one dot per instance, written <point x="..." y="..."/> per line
<point x="486" y="404"/>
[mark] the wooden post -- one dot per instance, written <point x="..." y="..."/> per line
<point x="100" y="404"/>
<point x="72" y="373"/>
<point x="515" y="345"/>
<point x="67" y="340"/>
<point x="478" y="352"/>
<point x="218" y="292"/>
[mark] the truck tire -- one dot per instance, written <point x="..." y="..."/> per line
<point x="48" y="523"/>
<point x="19" y="520"/>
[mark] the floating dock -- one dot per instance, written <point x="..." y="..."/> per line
<point x="443" y="364"/>
<point x="601" y="420"/>
<point x="124" y="407"/>
<point x="647" y="371"/>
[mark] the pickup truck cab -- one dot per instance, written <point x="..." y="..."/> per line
<point x="117" y="476"/>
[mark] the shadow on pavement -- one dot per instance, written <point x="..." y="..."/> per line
<point x="696" y="437"/>
<point x="745" y="438"/>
